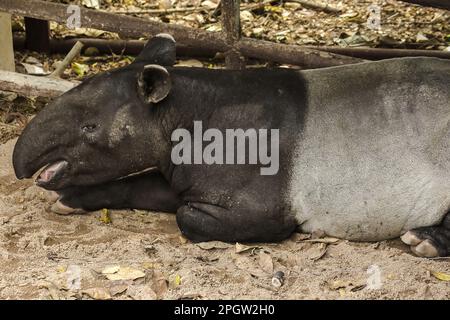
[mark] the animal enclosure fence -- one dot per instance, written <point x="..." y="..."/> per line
<point x="229" y="41"/>
<point x="191" y="41"/>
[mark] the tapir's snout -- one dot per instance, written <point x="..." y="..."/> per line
<point x="23" y="158"/>
<point x="28" y="155"/>
<point x="40" y="145"/>
<point x="20" y="166"/>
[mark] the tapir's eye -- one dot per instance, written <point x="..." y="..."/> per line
<point x="89" y="128"/>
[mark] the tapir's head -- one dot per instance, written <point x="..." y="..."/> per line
<point x="102" y="129"/>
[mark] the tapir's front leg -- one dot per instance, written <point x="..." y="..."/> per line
<point x="148" y="191"/>
<point x="207" y="222"/>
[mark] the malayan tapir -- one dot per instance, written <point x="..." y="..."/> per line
<point x="364" y="149"/>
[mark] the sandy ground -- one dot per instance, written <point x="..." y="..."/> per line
<point x="141" y="255"/>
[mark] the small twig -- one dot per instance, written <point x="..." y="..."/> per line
<point x="318" y="6"/>
<point x="73" y="53"/>
<point x="165" y="11"/>
<point x="440" y="258"/>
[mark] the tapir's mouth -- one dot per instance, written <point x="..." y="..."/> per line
<point x="51" y="173"/>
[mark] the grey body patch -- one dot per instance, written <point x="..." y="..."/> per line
<point x="373" y="160"/>
<point x="121" y="126"/>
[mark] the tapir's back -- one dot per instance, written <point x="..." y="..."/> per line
<point x="374" y="149"/>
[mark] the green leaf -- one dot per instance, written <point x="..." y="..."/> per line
<point x="80" y="69"/>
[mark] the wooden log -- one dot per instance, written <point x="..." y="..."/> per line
<point x="37" y="35"/>
<point x="34" y="86"/>
<point x="190" y="37"/>
<point x="282" y="53"/>
<point x="108" y="46"/>
<point x="381" y="53"/>
<point x="231" y="26"/>
<point x="443" y="4"/>
<point x="6" y="49"/>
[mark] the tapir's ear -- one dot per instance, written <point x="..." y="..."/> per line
<point x="159" y="50"/>
<point x="154" y="83"/>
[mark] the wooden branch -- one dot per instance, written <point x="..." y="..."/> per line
<point x="73" y="53"/>
<point x="282" y="53"/>
<point x="316" y="5"/>
<point x="33" y="86"/>
<point x="382" y="53"/>
<point x="231" y="26"/>
<point x="199" y="39"/>
<point x="444" y="4"/>
<point x="109" y="46"/>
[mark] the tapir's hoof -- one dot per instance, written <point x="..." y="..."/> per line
<point x="60" y="208"/>
<point x="420" y="246"/>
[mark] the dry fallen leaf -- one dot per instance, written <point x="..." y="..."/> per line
<point x="91" y="3"/>
<point x="111" y="269"/>
<point x="54" y="291"/>
<point x="213" y="245"/>
<point x="246" y="15"/>
<point x="98" y="293"/>
<point x="266" y="262"/>
<point x="142" y="292"/>
<point x="322" y="250"/>
<point x="209" y="4"/>
<point x="339" y="284"/>
<point x="323" y="240"/>
<point x="300" y="236"/>
<point x="247" y="264"/>
<point x="118" y="289"/>
<point x="159" y="285"/>
<point x="242" y="247"/>
<point x="122" y="273"/>
<point x="183" y="240"/>
<point x="440" y="275"/>
<point x="34" y="69"/>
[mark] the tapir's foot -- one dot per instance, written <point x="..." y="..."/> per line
<point x="430" y="241"/>
<point x="206" y="222"/>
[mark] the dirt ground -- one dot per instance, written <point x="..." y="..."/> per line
<point x="141" y="255"/>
